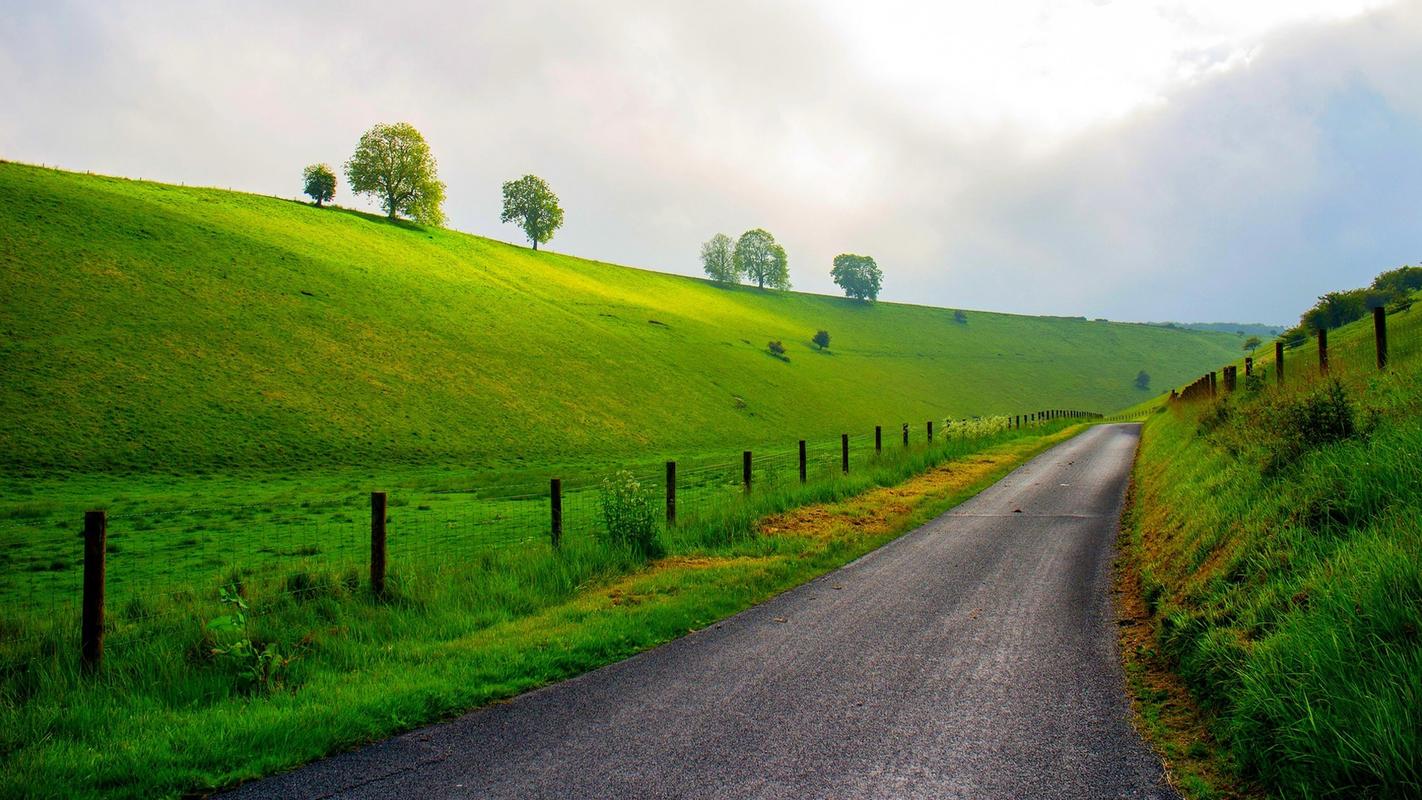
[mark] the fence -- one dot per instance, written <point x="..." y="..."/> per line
<point x="139" y="574"/>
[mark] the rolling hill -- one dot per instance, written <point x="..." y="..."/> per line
<point x="149" y="326"/>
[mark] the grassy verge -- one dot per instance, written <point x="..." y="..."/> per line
<point x="165" y="718"/>
<point x="1273" y="588"/>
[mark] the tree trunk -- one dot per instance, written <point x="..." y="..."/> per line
<point x="535" y="245"/>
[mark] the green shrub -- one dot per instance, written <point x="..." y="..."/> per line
<point x="629" y="514"/>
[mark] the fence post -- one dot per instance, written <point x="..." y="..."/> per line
<point x="844" y="452"/>
<point x="377" y="543"/>
<point x="1214" y="386"/>
<point x="671" y="493"/>
<point x="1230" y="380"/>
<point x="1380" y="335"/>
<point x="1323" y="350"/>
<point x="1279" y="362"/>
<point x="555" y="510"/>
<point x="1248" y="366"/>
<point x="746" y="469"/>
<point x="878" y="439"/>
<point x="91" y="649"/>
<point x="930" y="430"/>
<point x="802" y="461"/>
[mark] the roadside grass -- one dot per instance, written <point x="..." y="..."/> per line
<point x="1276" y="532"/>
<point x="164" y="717"/>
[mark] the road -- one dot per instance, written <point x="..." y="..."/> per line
<point x="975" y="657"/>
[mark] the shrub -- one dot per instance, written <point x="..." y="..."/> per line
<point x="776" y="348"/>
<point x="960" y="318"/>
<point x="821" y="339"/>
<point x="1296" y="424"/>
<point x="629" y="514"/>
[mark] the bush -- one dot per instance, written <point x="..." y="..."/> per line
<point x="821" y="339"/>
<point x="960" y="318"/>
<point x="1296" y="424"/>
<point x="629" y="514"/>
<point x="776" y="348"/>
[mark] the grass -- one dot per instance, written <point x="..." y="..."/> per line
<point x="165" y="718"/>
<point x="1276" y="537"/>
<point x="162" y="329"/>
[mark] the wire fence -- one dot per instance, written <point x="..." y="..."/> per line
<point x="161" y="570"/>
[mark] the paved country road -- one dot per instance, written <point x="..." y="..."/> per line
<point x="975" y="657"/>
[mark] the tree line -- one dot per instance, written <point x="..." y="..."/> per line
<point x="393" y="163"/>
<point x="1390" y="289"/>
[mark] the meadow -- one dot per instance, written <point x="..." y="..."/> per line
<point x="1275" y="530"/>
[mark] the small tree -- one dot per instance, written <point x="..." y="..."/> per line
<point x="529" y="202"/>
<point x="821" y="339"/>
<point x="718" y="259"/>
<point x="394" y="163"/>
<point x="320" y="183"/>
<point x="759" y="258"/>
<point x="629" y="514"/>
<point x="858" y="276"/>
<point x="776" y="348"/>
<point x="1142" y="380"/>
<point x="960" y="318"/>
<point x="1252" y="343"/>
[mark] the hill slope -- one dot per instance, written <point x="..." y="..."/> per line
<point x="148" y="325"/>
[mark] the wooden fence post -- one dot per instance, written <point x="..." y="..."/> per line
<point x="1380" y="335"/>
<point x="844" y="452"/>
<point x="377" y="543"/>
<point x="555" y="510"/>
<point x="746" y="469"/>
<point x="1230" y="380"/>
<point x="905" y="434"/>
<point x="671" y="493"/>
<point x="1248" y="366"/>
<point x="1213" y="384"/>
<point x="91" y="650"/>
<point x="1323" y="351"/>
<point x="1279" y="362"/>
<point x="802" y="461"/>
<point x="878" y="439"/>
<point x="930" y="430"/>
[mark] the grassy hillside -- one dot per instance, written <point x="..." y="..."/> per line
<point x="152" y="326"/>
<point x="1276" y="532"/>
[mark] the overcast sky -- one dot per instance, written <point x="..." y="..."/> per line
<point x="1135" y="160"/>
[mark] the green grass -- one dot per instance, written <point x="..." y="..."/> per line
<point x="158" y="328"/>
<point x="462" y="627"/>
<point x="1283" y="567"/>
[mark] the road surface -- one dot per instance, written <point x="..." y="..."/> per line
<point x="975" y="657"/>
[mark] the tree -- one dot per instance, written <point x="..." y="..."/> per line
<point x="1252" y="343"/>
<point x="960" y="318"/>
<point x="718" y="259"/>
<point x="776" y="348"/>
<point x="821" y="339"/>
<point x="1142" y="380"/>
<point x="320" y="183"/>
<point x="858" y="276"/>
<point x="759" y="258"/>
<point x="529" y="202"/>
<point x="393" y="162"/>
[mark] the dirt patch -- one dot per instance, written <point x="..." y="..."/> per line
<point x="654" y="580"/>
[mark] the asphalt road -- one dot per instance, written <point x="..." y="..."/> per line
<point x="975" y="657"/>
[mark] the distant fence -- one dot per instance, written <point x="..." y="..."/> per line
<point x="358" y="537"/>
<point x="1357" y="350"/>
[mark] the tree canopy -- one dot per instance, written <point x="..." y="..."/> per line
<point x="718" y="259"/>
<point x="759" y="258"/>
<point x="1252" y="343"/>
<point x="393" y="162"/>
<point x="1142" y="380"/>
<point x="320" y="183"/>
<point x="529" y="202"/>
<point x="821" y="339"/>
<point x="858" y="276"/>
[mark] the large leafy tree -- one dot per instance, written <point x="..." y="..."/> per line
<point x="759" y="258"/>
<point x="529" y="202"/>
<point x="393" y="162"/>
<point x="858" y="276"/>
<point x="719" y="260"/>
<point x="320" y="183"/>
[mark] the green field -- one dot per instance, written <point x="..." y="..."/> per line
<point x="1276" y="533"/>
<point x="154" y="328"/>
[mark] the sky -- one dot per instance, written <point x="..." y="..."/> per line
<point x="1218" y="160"/>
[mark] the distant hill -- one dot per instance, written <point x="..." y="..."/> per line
<point x="150" y="326"/>
<point x="1238" y="328"/>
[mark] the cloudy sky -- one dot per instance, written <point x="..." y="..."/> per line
<point x="1209" y="160"/>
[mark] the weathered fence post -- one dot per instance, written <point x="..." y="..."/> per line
<point x="377" y="543"/>
<point x="746" y="469"/>
<point x="905" y="434"/>
<point x="1380" y="335"/>
<point x="1279" y="362"/>
<point x="1323" y="350"/>
<point x="1230" y="380"/>
<point x="671" y="493"/>
<point x="878" y="439"/>
<point x="844" y="452"/>
<point x="1248" y="366"/>
<point x="930" y="430"/>
<point x="555" y="510"/>
<point x="802" y="461"/>
<point x="91" y="648"/>
<point x="1213" y="384"/>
